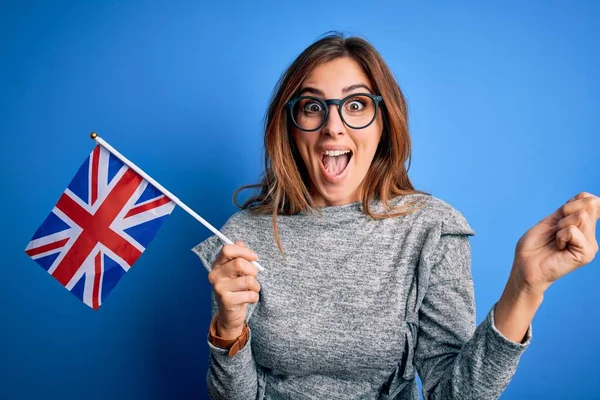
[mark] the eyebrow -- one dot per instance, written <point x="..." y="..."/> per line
<point x="344" y="90"/>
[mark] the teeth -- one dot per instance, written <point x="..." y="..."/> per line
<point x="335" y="153"/>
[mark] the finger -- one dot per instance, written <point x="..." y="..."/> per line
<point x="222" y="257"/>
<point x="577" y="243"/>
<point x="582" y="220"/>
<point x="231" y="251"/>
<point x="238" y="298"/>
<point x="580" y="196"/>
<point x="585" y="201"/>
<point x="231" y="270"/>
<point x="241" y="283"/>
<point x="239" y="267"/>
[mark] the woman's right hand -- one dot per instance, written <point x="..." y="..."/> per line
<point x="233" y="278"/>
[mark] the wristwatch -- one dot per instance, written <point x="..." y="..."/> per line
<point x="233" y="345"/>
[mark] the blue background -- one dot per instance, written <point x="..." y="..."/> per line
<point x="503" y="103"/>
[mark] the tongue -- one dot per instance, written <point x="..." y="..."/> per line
<point x="336" y="165"/>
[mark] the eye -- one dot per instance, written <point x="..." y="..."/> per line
<point x="356" y="104"/>
<point x="312" y="107"/>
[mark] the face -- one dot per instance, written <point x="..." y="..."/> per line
<point x="336" y="178"/>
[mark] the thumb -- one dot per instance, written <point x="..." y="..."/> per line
<point x="240" y="243"/>
<point x="553" y="218"/>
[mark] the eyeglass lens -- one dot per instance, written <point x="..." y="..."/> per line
<point x="357" y="112"/>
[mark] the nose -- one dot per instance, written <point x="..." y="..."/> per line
<point x="333" y="125"/>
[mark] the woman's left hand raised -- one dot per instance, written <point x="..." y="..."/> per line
<point x="558" y="244"/>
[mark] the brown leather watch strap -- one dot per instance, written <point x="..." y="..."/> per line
<point x="233" y="345"/>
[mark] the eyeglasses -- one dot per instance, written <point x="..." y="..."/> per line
<point x="358" y="110"/>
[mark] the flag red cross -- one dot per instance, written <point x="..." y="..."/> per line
<point x="96" y="227"/>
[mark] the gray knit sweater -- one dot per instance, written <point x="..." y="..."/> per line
<point x="358" y="306"/>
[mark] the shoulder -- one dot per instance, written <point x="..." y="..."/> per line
<point x="435" y="212"/>
<point x="209" y="248"/>
<point x="237" y="218"/>
<point x="444" y="247"/>
<point x="244" y="222"/>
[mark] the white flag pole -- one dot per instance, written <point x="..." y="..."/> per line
<point x="170" y="195"/>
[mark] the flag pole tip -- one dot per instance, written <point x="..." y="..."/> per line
<point x="93" y="135"/>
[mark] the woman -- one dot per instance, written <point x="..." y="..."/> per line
<point x="367" y="281"/>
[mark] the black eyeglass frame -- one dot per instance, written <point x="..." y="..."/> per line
<point x="326" y="103"/>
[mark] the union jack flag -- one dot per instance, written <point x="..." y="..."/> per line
<point x="100" y="226"/>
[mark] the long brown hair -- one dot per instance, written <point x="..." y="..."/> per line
<point x="284" y="186"/>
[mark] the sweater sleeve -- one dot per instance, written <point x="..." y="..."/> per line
<point x="228" y="377"/>
<point x="454" y="359"/>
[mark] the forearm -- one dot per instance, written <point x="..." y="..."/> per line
<point x="479" y="368"/>
<point x="515" y="310"/>
<point x="488" y="360"/>
<point x="232" y="377"/>
<point x="456" y="359"/>
<point x="232" y="371"/>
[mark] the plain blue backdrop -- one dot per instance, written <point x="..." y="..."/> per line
<point x="503" y="103"/>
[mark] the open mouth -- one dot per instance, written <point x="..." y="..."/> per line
<point x="335" y="164"/>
